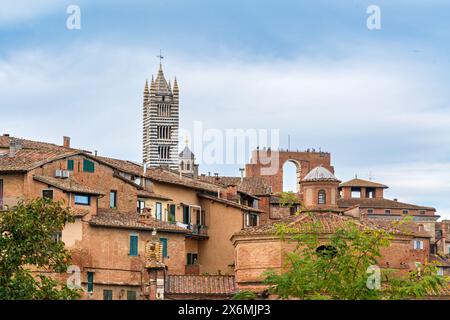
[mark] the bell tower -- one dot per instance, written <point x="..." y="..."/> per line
<point x="160" y="122"/>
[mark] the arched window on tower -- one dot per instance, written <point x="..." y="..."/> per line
<point x="322" y="197"/>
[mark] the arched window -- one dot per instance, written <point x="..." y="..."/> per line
<point x="322" y="198"/>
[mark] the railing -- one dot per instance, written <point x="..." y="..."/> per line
<point x="198" y="229"/>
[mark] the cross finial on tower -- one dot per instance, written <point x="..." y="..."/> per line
<point x="160" y="56"/>
<point x="186" y="140"/>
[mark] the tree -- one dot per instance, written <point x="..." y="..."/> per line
<point x="27" y="242"/>
<point x="339" y="267"/>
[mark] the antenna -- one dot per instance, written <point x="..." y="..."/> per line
<point x="289" y="142"/>
<point x="370" y="175"/>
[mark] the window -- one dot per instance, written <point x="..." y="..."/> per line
<point x="369" y="211"/>
<point x="56" y="236"/>
<point x="134" y="245"/>
<point x="164" y="247"/>
<point x="163" y="132"/>
<point x="47" y="194"/>
<point x="322" y="198"/>
<point x="70" y="164"/>
<point x="192" y="258"/>
<point x="405" y="211"/>
<point x="90" y="282"/>
<point x="418" y="245"/>
<point x="131" y="295"/>
<point x="172" y="213"/>
<point x="112" y="199"/>
<point x="186" y="215"/>
<point x="88" y="166"/>
<point x="158" y="211"/>
<point x="82" y="199"/>
<point x="421" y="211"/>
<point x="164" y="152"/>
<point x="387" y="211"/>
<point x="251" y="220"/>
<point x="164" y="110"/>
<point x="107" y="294"/>
<point x="140" y="206"/>
<point x="440" y="271"/>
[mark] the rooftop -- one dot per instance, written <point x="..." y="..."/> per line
<point x="320" y="174"/>
<point x="113" y="219"/>
<point x="66" y="184"/>
<point x="200" y="285"/>
<point x="362" y="183"/>
<point x="379" y="203"/>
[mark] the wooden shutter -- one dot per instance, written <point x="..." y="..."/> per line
<point x="164" y="246"/>
<point x="133" y="245"/>
<point x="70" y="165"/>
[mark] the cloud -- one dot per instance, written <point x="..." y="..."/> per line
<point x="20" y="10"/>
<point x="375" y="112"/>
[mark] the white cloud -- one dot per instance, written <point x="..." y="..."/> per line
<point x="368" y="112"/>
<point x="19" y="10"/>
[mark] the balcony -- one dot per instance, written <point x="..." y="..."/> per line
<point x="198" y="230"/>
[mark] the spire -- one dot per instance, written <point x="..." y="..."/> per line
<point x="146" y="92"/>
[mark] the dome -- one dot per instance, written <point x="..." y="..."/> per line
<point x="320" y="174"/>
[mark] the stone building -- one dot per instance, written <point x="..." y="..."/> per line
<point x="118" y="205"/>
<point x="160" y="122"/>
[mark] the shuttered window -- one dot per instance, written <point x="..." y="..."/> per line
<point x="88" y="166"/>
<point x="70" y="164"/>
<point x="133" y="245"/>
<point x="90" y="281"/>
<point x="164" y="246"/>
<point x="131" y="295"/>
<point x="107" y="295"/>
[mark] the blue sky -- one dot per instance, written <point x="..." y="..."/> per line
<point x="377" y="100"/>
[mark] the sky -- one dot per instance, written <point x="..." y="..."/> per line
<point x="377" y="100"/>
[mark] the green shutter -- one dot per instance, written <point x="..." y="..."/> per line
<point x="90" y="281"/>
<point x="70" y="165"/>
<point x="88" y="166"/>
<point x="107" y="294"/>
<point x="164" y="246"/>
<point x="133" y="245"/>
<point x="131" y="295"/>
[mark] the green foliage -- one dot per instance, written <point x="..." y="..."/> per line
<point x="244" y="295"/>
<point x="26" y="243"/>
<point x="339" y="269"/>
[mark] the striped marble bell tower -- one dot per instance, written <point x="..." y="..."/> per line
<point x="161" y="123"/>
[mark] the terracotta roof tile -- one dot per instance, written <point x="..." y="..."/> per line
<point x="362" y="183"/>
<point x="251" y="185"/>
<point x="171" y="177"/>
<point x="200" y="285"/>
<point x="327" y="222"/>
<point x="67" y="184"/>
<point x="377" y="203"/>
<point x="108" y="218"/>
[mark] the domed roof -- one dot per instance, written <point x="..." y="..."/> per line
<point x="320" y="174"/>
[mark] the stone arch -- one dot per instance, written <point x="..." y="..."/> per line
<point x="298" y="173"/>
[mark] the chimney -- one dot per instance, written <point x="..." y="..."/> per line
<point x="395" y="199"/>
<point x="66" y="142"/>
<point x="231" y="192"/>
<point x="95" y="152"/>
<point x="195" y="176"/>
<point x="14" y="146"/>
